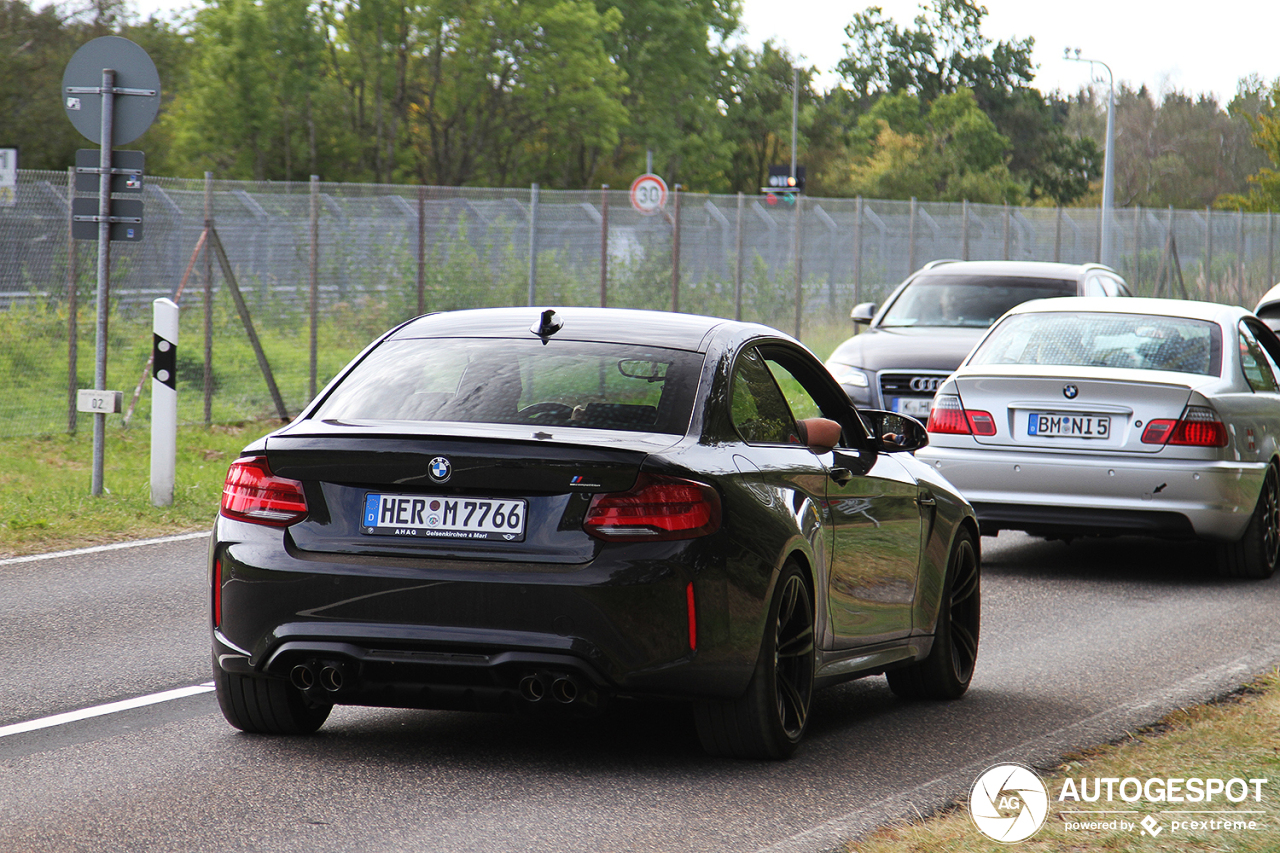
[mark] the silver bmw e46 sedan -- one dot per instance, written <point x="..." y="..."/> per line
<point x="1081" y="416"/>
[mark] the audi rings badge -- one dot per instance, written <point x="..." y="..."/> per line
<point x="925" y="384"/>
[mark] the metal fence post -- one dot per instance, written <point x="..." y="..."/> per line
<point x="675" y="251"/>
<point x="533" y="244"/>
<point x="1137" y="243"/>
<point x="313" y="304"/>
<point x="964" y="230"/>
<point x="604" y="245"/>
<point x="73" y="308"/>
<point x="208" y="300"/>
<point x="857" y="251"/>
<point x="737" y="262"/>
<point x="1208" y="251"/>
<point x="422" y="250"/>
<point x="1007" y="224"/>
<point x="1057" y="237"/>
<point x="911" y="239"/>
<point x="1240" y="255"/>
<point x="799" y="274"/>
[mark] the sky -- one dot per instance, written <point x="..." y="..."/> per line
<point x="1191" y="47"/>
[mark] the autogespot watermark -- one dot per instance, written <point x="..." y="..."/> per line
<point x="1010" y="803"/>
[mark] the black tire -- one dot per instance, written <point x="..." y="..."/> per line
<point x="268" y="706"/>
<point x="947" y="671"/>
<point x="769" y="720"/>
<point x="1257" y="553"/>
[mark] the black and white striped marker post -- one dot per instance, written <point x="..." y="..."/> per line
<point x="164" y="401"/>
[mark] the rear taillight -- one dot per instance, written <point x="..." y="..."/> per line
<point x="948" y="416"/>
<point x="656" y="508"/>
<point x="1198" y="427"/>
<point x="253" y="493"/>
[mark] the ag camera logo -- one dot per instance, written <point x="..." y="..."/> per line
<point x="1009" y="803"/>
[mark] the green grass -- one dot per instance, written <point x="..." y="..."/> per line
<point x="1232" y="738"/>
<point x="45" y="500"/>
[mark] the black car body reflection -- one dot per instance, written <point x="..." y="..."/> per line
<point x="507" y="509"/>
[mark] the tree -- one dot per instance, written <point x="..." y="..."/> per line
<point x="672" y="54"/>
<point x="1264" y="185"/>
<point x="945" y="52"/>
<point x="509" y="92"/>
<point x="250" y="108"/>
<point x="950" y="151"/>
<point x="757" y="113"/>
<point x="1181" y="151"/>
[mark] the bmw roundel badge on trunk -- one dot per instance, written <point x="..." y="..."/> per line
<point x="440" y="469"/>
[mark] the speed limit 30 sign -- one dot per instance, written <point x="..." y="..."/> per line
<point x="648" y="194"/>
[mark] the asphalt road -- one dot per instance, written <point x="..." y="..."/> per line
<point x="1080" y="644"/>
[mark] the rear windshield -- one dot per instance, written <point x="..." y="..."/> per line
<point x="968" y="300"/>
<point x="1139" y="341"/>
<point x="561" y="383"/>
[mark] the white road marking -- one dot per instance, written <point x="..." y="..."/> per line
<point x="181" y="537"/>
<point x="103" y="710"/>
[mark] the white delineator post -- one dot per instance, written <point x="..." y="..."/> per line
<point x="164" y="401"/>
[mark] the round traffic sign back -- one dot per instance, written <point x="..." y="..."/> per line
<point x="134" y="69"/>
<point x="648" y="194"/>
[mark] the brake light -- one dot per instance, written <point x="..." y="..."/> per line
<point x="948" y="416"/>
<point x="1199" y="426"/>
<point x="656" y="508"/>
<point x="252" y="493"/>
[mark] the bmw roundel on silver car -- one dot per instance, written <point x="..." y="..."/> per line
<point x="543" y="510"/>
<point x="1082" y="416"/>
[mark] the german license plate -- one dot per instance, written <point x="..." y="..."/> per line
<point x="917" y="407"/>
<point x="1068" y="425"/>
<point x="438" y="517"/>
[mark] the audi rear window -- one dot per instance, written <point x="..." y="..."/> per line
<point x="560" y="383"/>
<point x="968" y="300"/>
<point x="1141" y="341"/>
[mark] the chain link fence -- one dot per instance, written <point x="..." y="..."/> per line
<point x="323" y="268"/>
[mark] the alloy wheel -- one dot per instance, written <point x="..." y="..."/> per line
<point x="794" y="656"/>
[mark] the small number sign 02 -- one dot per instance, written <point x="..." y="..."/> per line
<point x="648" y="194"/>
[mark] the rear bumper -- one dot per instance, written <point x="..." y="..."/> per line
<point x="471" y="635"/>
<point x="1060" y="494"/>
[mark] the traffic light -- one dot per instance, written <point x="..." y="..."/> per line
<point x="780" y="179"/>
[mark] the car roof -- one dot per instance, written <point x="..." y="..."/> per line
<point x="1210" y="311"/>
<point x="619" y="325"/>
<point x="1269" y="302"/>
<point x="1025" y="269"/>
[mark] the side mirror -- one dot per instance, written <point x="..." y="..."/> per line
<point x="895" y="433"/>
<point x="863" y="312"/>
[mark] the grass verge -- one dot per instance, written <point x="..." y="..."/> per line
<point x="1237" y="737"/>
<point x="45" y="482"/>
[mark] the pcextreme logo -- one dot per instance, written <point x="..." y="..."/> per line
<point x="1009" y="803"/>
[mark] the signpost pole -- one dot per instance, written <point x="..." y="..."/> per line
<point x="104" y="274"/>
<point x="90" y="83"/>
